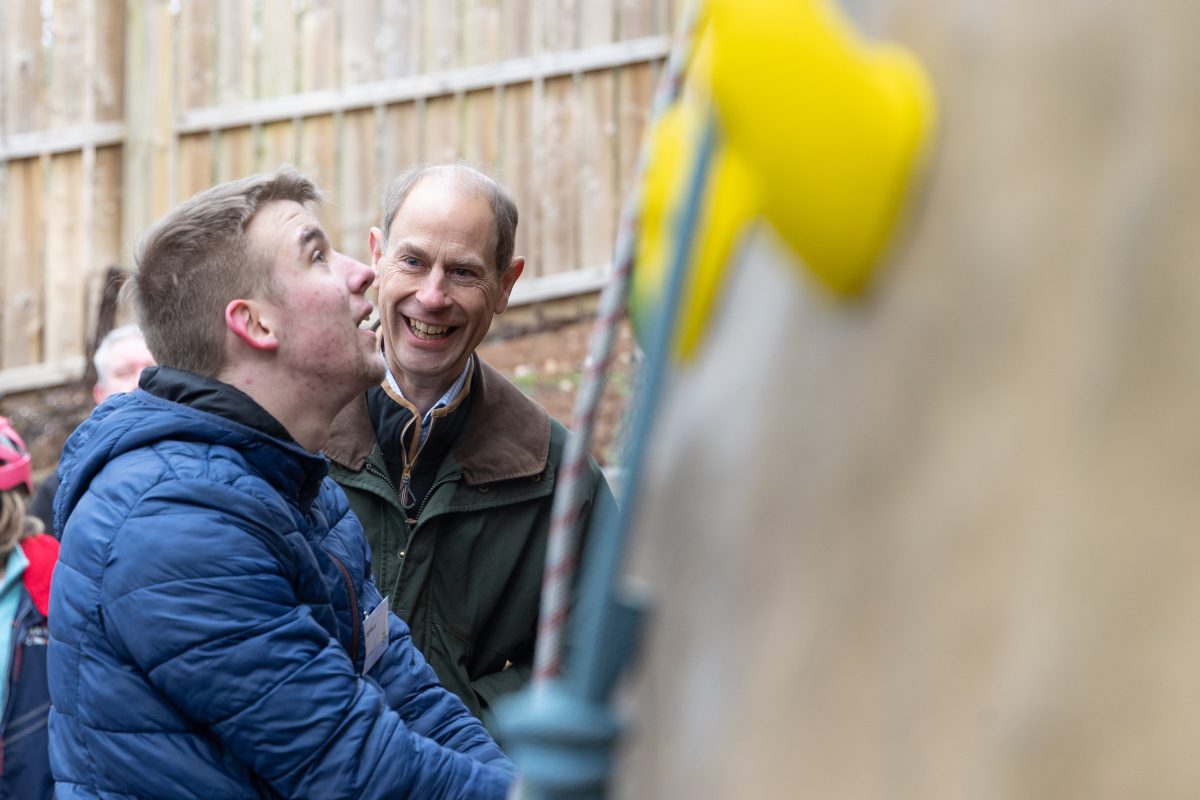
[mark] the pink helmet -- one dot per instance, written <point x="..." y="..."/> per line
<point x="15" y="466"/>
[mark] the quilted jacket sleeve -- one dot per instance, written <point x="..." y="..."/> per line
<point x="412" y="688"/>
<point x="212" y="616"/>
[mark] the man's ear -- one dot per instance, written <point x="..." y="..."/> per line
<point x="506" y="283"/>
<point x="245" y="320"/>
<point x="375" y="240"/>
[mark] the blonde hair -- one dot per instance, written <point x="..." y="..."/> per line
<point x="15" y="524"/>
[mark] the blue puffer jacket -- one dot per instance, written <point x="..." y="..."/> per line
<point x="206" y="635"/>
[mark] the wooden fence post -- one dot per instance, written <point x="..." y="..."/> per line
<point x="149" y="113"/>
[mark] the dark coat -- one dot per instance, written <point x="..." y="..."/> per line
<point x="467" y="572"/>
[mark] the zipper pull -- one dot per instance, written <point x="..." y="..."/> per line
<point x="407" y="498"/>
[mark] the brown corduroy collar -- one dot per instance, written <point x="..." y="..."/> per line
<point x="507" y="435"/>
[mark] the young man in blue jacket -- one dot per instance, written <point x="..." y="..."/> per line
<point x="214" y="628"/>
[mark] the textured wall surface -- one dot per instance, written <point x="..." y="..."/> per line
<point x="941" y="543"/>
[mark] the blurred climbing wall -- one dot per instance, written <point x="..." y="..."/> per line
<point x="939" y="543"/>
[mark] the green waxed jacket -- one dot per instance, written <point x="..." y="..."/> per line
<point x="467" y="573"/>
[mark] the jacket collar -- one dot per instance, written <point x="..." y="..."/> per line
<point x="506" y="435"/>
<point x="245" y="426"/>
<point x="214" y="397"/>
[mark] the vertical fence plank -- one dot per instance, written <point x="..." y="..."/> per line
<point x="357" y="182"/>
<point x="359" y="33"/>
<point x="668" y="14"/>
<point x="235" y="50"/>
<point x="400" y="37"/>
<point x="401" y="146"/>
<point x="359" y="187"/>
<point x="482" y="31"/>
<point x="319" y="61"/>
<point x="441" y="26"/>
<point x="558" y="195"/>
<point x="635" y="18"/>
<point x="107" y="209"/>
<point x="109" y="74"/>
<point x="235" y="157"/>
<point x="197" y="76"/>
<point x="65" y="278"/>
<point x="277" y="68"/>
<point x="442" y="137"/>
<point x="318" y="46"/>
<point x="235" y="154"/>
<point x="277" y="146"/>
<point x="6" y="67"/>
<point x="64" y="101"/>
<point x="25" y="68"/>
<point x="516" y="32"/>
<point x="516" y="162"/>
<point x="278" y="75"/>
<point x="597" y="179"/>
<point x="318" y="161"/>
<point x="597" y="22"/>
<point x="481" y="131"/>
<point x="560" y="29"/>
<point x="317" y="158"/>
<point x="23" y="263"/>
<point x="197" y="49"/>
<point x="196" y="166"/>
<point x="5" y="102"/>
<point x="146" y="180"/>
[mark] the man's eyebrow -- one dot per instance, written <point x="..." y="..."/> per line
<point x="311" y="233"/>
<point x="410" y="246"/>
<point x="466" y="261"/>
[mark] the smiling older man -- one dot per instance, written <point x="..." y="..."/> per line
<point x="449" y="466"/>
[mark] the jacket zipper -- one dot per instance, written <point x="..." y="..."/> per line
<point x="410" y="520"/>
<point x="353" y="607"/>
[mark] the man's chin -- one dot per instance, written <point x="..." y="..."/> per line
<point x="374" y="372"/>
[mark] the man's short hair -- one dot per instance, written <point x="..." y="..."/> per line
<point x="104" y="349"/>
<point x="193" y="261"/>
<point x="504" y="208"/>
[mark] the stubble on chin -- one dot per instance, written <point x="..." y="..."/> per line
<point x="373" y="371"/>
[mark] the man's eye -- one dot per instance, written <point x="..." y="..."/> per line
<point x="319" y="255"/>
<point x="410" y="261"/>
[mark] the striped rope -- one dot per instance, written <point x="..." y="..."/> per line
<point x="566" y="513"/>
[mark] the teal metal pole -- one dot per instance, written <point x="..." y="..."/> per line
<point x="561" y="734"/>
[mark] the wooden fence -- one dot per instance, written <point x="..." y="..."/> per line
<point x="112" y="112"/>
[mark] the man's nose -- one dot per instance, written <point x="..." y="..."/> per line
<point x="359" y="276"/>
<point x="432" y="291"/>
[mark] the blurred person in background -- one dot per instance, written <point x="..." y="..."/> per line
<point x="27" y="557"/>
<point x="119" y="360"/>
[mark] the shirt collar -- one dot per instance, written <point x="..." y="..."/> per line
<point x="442" y="402"/>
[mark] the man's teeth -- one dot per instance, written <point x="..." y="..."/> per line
<point x="425" y="331"/>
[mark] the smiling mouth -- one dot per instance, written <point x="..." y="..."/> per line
<point x="423" y="330"/>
